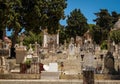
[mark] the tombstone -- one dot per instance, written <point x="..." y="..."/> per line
<point x="21" y="38"/>
<point x="89" y="61"/>
<point x="72" y="40"/>
<point x="20" y="55"/>
<point x="20" y="50"/>
<point x="71" y="49"/>
<point x="45" y="36"/>
<point x="109" y="64"/>
<point x="36" y="51"/>
<point x="53" y="67"/>
<point x="51" y="42"/>
<point x="30" y="51"/>
<point x="50" y="39"/>
<point x="51" y="73"/>
<point x="88" y="71"/>
<point x="79" y="41"/>
<point x="77" y="49"/>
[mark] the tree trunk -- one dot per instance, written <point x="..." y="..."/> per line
<point x="14" y="39"/>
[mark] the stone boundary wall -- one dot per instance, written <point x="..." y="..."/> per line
<point x="19" y="76"/>
<point x="66" y="77"/>
<point x="56" y="82"/>
<point x="96" y="77"/>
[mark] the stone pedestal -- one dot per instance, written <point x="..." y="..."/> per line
<point x="20" y="54"/>
<point x="49" y="75"/>
<point x="88" y="77"/>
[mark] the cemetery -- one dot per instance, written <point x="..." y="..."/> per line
<point x="70" y="62"/>
<point x="40" y="50"/>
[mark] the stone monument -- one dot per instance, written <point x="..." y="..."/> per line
<point x="71" y="48"/>
<point x="109" y="64"/>
<point x="50" y="39"/>
<point x="51" y="71"/>
<point x="20" y="50"/>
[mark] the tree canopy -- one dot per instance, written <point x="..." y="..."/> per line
<point x="105" y="22"/>
<point x="36" y="15"/>
<point x="115" y="36"/>
<point x="47" y="14"/>
<point x="3" y="17"/>
<point x="76" y="24"/>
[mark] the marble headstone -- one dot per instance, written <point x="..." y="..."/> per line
<point x="53" y="67"/>
<point x="71" y="49"/>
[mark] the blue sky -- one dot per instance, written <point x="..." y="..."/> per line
<point x="89" y="7"/>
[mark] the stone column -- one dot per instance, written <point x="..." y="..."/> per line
<point x="45" y="40"/>
<point x="88" y="77"/>
<point x="58" y="38"/>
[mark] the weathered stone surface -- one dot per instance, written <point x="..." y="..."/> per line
<point x="56" y="82"/>
<point x="49" y="75"/>
<point x="19" y="76"/>
<point x="109" y="64"/>
<point x="4" y="52"/>
<point x="20" y="54"/>
<point x="88" y="77"/>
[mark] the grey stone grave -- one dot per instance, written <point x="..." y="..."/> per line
<point x="109" y="64"/>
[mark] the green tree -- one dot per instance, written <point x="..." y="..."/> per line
<point x="15" y="21"/>
<point x="115" y="17"/>
<point x="44" y="13"/>
<point x="62" y="34"/>
<point x="105" y="21"/>
<point x="96" y="33"/>
<point x="32" y="14"/>
<point x="31" y="38"/>
<point x="115" y="36"/>
<point x="76" y="24"/>
<point x="4" y="5"/>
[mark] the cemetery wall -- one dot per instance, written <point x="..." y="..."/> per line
<point x="68" y="77"/>
<point x="19" y="76"/>
<point x="96" y="76"/>
<point x="55" y="82"/>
